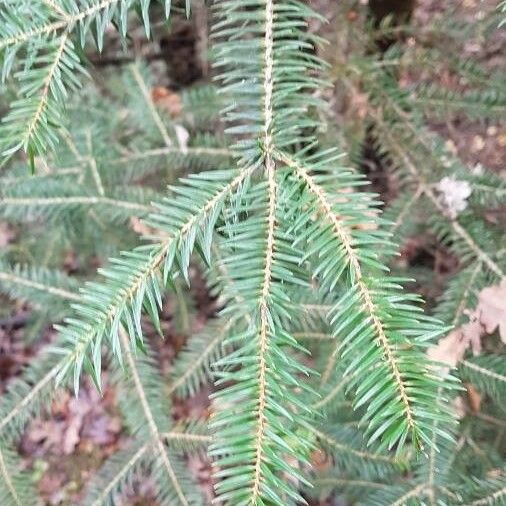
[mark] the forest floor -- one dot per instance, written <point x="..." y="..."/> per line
<point x="66" y="444"/>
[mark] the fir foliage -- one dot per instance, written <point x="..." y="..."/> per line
<point x="316" y="348"/>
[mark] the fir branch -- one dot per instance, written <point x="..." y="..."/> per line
<point x="34" y="391"/>
<point x="9" y="484"/>
<point x="483" y="371"/>
<point x="123" y="471"/>
<point x="13" y="278"/>
<point x="263" y="338"/>
<point x="33" y="120"/>
<point x="490" y="499"/>
<point x="368" y="306"/>
<point x="54" y="6"/>
<point x="15" y="488"/>
<point x="417" y="132"/>
<point x="405" y="210"/>
<point x="464" y="298"/>
<point x="344" y="449"/>
<point x="52" y="27"/>
<point x="414" y="492"/>
<point x="429" y="192"/>
<point x="463" y="234"/>
<point x="65" y="171"/>
<point x="189" y="364"/>
<point x="179" y="436"/>
<point x="134" y="69"/>
<point x="474" y="103"/>
<point x="44" y="94"/>
<point x="297" y="211"/>
<point x="121" y="301"/>
<point x="491" y="420"/>
<point x="487" y="373"/>
<point x="27" y="390"/>
<point x="260" y="259"/>
<point x="73" y="201"/>
<point x="325" y="481"/>
<point x="319" y="308"/>
<point x="333" y="392"/>
<point x="319" y="336"/>
<point x="45" y="85"/>
<point x="150" y="420"/>
<point x="172" y="150"/>
<point x="32" y="394"/>
<point x="22" y="37"/>
<point x="93" y="165"/>
<point x="263" y="333"/>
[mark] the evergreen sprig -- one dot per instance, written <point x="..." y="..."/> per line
<point x="46" y="33"/>
<point x="316" y="347"/>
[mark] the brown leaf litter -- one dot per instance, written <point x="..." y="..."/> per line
<point x="489" y="315"/>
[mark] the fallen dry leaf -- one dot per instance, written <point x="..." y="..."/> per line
<point x="473" y="397"/>
<point x="490" y="314"/>
<point x="320" y="461"/>
<point x="71" y="423"/>
<point x="167" y="100"/>
<point x="492" y="309"/>
<point x="139" y="227"/>
<point x="450" y="349"/>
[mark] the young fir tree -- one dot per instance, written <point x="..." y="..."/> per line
<point x="316" y="348"/>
